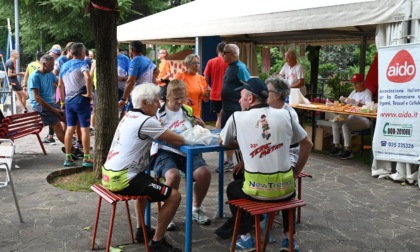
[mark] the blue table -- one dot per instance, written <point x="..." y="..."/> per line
<point x="190" y="151"/>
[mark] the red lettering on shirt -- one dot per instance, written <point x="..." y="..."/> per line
<point x="265" y="149"/>
<point x="176" y="124"/>
<point x="131" y="115"/>
<point x="111" y="154"/>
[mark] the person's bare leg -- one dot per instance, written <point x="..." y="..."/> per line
<point x="93" y="118"/>
<point x="229" y="156"/>
<point x="173" y="178"/>
<point x="202" y="177"/>
<point x="79" y="133"/>
<point x="68" y="138"/>
<point x="137" y="209"/>
<point x="219" y="121"/>
<point x="59" y="132"/>
<point x="166" y="214"/>
<point x="86" y="139"/>
<point x="19" y="99"/>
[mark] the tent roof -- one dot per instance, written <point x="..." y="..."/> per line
<point x="267" y="21"/>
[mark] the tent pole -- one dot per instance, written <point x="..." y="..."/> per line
<point x="362" y="59"/>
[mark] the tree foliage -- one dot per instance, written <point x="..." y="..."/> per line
<point x="47" y="22"/>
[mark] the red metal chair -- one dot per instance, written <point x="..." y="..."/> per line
<point x="113" y="199"/>
<point x="257" y="208"/>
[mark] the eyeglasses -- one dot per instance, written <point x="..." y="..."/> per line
<point x="224" y="52"/>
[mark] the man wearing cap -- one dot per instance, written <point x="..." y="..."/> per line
<point x="293" y="72"/>
<point x="265" y="150"/>
<point x="235" y="73"/>
<point x="55" y="52"/>
<point x="358" y="97"/>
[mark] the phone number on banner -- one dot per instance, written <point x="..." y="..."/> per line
<point x="397" y="145"/>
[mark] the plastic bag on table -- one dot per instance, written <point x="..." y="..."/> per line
<point x="197" y="135"/>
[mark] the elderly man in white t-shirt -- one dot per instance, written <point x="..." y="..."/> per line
<point x="359" y="97"/>
<point x="293" y="72"/>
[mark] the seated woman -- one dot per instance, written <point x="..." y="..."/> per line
<point x="176" y="116"/>
<point x="197" y="88"/>
<point x="358" y="97"/>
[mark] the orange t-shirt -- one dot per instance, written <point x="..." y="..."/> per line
<point x="164" y="69"/>
<point x="196" y="89"/>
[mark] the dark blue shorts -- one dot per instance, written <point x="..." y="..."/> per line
<point x="48" y="117"/>
<point x="78" y="112"/>
<point x="166" y="160"/>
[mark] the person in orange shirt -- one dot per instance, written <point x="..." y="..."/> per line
<point x="197" y="88"/>
<point x="164" y="73"/>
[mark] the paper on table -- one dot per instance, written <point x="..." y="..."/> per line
<point x="296" y="97"/>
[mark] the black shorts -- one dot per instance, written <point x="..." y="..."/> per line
<point x="216" y="106"/>
<point x="225" y="116"/>
<point x="17" y="87"/>
<point x="144" y="185"/>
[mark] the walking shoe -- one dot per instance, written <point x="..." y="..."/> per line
<point x="227" y="167"/>
<point x="49" y="140"/>
<point x="87" y="163"/>
<point x="334" y="151"/>
<point x="72" y="152"/>
<point x="77" y="152"/>
<point x="199" y="217"/>
<point x="248" y="245"/>
<point x="347" y="154"/>
<point x="226" y="230"/>
<point x="162" y="246"/>
<point x="285" y="245"/>
<point x="171" y="226"/>
<point x="69" y="162"/>
<point x="139" y="234"/>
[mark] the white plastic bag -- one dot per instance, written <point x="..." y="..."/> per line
<point x="197" y="135"/>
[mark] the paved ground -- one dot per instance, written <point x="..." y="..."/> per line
<point x="347" y="210"/>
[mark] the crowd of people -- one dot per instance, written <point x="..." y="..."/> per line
<point x="253" y="116"/>
<point x="168" y="106"/>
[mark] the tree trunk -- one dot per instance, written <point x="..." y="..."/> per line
<point x="313" y="57"/>
<point x="104" y="21"/>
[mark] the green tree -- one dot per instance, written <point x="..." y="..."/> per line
<point x="104" y="26"/>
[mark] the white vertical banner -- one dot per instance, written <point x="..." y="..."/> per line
<point x="397" y="131"/>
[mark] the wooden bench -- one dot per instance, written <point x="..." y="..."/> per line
<point x="113" y="199"/>
<point x="21" y="125"/>
<point x="257" y="208"/>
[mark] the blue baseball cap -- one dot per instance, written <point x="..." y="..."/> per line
<point x="256" y="86"/>
<point x="56" y="51"/>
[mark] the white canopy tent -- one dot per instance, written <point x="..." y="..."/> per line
<point x="269" y="22"/>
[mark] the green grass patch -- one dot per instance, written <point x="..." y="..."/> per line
<point x="76" y="182"/>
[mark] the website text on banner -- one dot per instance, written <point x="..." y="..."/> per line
<point x="397" y="131"/>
